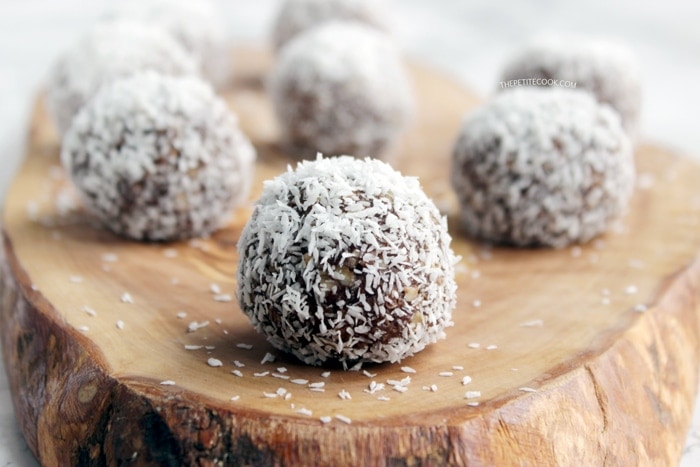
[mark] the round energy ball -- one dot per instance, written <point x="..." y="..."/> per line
<point x="605" y="68"/>
<point x="108" y="52"/>
<point x="340" y="88"/>
<point x="158" y="157"/>
<point x="346" y="261"/>
<point x="296" y="16"/>
<point x="542" y="167"/>
<point x="197" y="25"/>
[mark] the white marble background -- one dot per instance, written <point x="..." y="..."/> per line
<point x="470" y="39"/>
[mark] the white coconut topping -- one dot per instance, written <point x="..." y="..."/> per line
<point x="340" y="88"/>
<point x="158" y="157"/>
<point x="197" y="26"/>
<point x="106" y="53"/>
<point x="346" y="260"/>
<point x="542" y="167"/>
<point x="606" y="68"/>
<point x="296" y="16"/>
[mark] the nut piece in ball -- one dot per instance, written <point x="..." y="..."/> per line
<point x="346" y="261"/>
<point x="542" y="167"/>
<point x="340" y="88"/>
<point x="158" y="157"/>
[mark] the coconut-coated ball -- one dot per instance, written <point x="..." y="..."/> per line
<point x="542" y="167"/>
<point x="158" y="158"/>
<point x="346" y="261"/>
<point x="340" y="88"/>
<point x="296" y="16"/>
<point x="606" y="68"/>
<point x="197" y="25"/>
<point x="110" y="51"/>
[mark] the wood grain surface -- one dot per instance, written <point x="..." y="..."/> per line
<point x="586" y="355"/>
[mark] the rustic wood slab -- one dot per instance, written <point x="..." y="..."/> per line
<point x="586" y="355"/>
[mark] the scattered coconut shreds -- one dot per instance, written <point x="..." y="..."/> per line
<point x="214" y="288"/>
<point x="526" y="389"/>
<point x="126" y="298"/>
<point x="407" y="369"/>
<point x="383" y="398"/>
<point x="303" y="411"/>
<point x="641" y="308"/>
<point x="76" y="279"/>
<point x="280" y="376"/>
<point x="89" y="311"/>
<point x="181" y="315"/>
<point x="83" y="328"/>
<point x="300" y="381"/>
<point x="194" y="326"/>
<point x="431" y="388"/>
<point x="224" y="297"/>
<point x="270" y="395"/>
<point x="325" y="374"/>
<point x="325" y="419"/>
<point x="317" y="385"/>
<point x="344" y="419"/>
<point x="474" y="345"/>
<point x="109" y="258"/>
<point x="210" y="347"/>
<point x="472" y="394"/>
<point x="218" y="321"/>
<point x="491" y="347"/>
<point x="476" y="303"/>
<point x="344" y="395"/>
<point x="237" y="373"/>
<point x="261" y="374"/>
<point x="167" y="382"/>
<point x="120" y="324"/>
<point x="533" y="323"/>
<point x="374" y="387"/>
<point x="281" y="369"/>
<point x="267" y="358"/>
<point x="631" y="289"/>
<point x="368" y="374"/>
<point x="170" y="253"/>
<point x="244" y="346"/>
<point x="193" y="347"/>
<point x="457" y="367"/>
<point x="402" y="382"/>
<point x="400" y="389"/>
<point x="466" y="380"/>
<point x="473" y="404"/>
<point x="446" y="374"/>
<point x="235" y="398"/>
<point x="238" y="363"/>
<point x="214" y="362"/>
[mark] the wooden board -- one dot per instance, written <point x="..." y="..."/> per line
<point x="565" y="366"/>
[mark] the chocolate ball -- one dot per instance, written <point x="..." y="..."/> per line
<point x="346" y="261"/>
<point x="542" y="167"/>
<point x="157" y="157"/>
